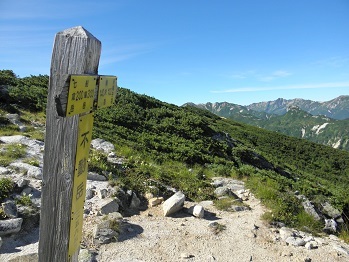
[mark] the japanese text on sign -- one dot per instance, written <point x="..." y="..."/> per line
<point x="79" y="182"/>
<point x="81" y="94"/>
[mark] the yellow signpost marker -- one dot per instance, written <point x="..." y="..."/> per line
<point x="81" y="94"/>
<point x="82" y="101"/>
<point x="106" y="92"/>
<point x="79" y="183"/>
<point x="75" y="91"/>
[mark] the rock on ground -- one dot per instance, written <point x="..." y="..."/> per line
<point x="173" y="204"/>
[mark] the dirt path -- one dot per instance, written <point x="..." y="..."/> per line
<point x="152" y="237"/>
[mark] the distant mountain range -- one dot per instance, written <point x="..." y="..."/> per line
<point x="321" y="122"/>
<point x="337" y="108"/>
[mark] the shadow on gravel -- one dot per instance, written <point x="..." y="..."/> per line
<point x="11" y="244"/>
<point x="185" y="213"/>
<point x="129" y="230"/>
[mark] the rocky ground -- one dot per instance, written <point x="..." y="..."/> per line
<point x="145" y="234"/>
<point x="219" y="236"/>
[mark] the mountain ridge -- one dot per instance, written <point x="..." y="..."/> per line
<point x="287" y="117"/>
<point x="337" y="108"/>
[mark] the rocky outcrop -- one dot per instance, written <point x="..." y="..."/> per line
<point x="14" y="119"/>
<point x="102" y="145"/>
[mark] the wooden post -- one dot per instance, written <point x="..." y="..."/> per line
<point x="75" y="51"/>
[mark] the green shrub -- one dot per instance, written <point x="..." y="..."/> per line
<point x="226" y="203"/>
<point x="6" y="187"/>
<point x="10" y="153"/>
<point x="24" y="200"/>
<point x="306" y="222"/>
<point x="32" y="161"/>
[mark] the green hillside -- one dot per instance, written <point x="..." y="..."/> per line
<point x="293" y="122"/>
<point x="183" y="147"/>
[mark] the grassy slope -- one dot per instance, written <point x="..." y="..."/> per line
<point x="184" y="146"/>
<point x="163" y="131"/>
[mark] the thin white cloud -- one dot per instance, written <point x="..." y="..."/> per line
<point x="286" y="87"/>
<point x="259" y="76"/>
<point x="336" y="61"/>
<point x="244" y="74"/>
<point x="125" y="52"/>
<point x="275" y="75"/>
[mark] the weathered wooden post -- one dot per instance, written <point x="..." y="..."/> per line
<point x="75" y="91"/>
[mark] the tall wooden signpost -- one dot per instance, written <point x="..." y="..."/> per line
<point x="75" y="91"/>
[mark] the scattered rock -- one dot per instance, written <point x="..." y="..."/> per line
<point x="295" y="241"/>
<point x="35" y="147"/>
<point x="90" y="193"/>
<point x="310" y="209"/>
<point x="103" y="234"/>
<point x="26" y="191"/>
<point x="173" y="204"/>
<point x="213" y="224"/>
<point x="102" y="145"/>
<point x="108" y="206"/>
<point x="22" y="182"/>
<point x="155" y="201"/>
<point x="86" y="256"/>
<point x="330" y="226"/>
<point x="330" y="211"/>
<point x="286" y="233"/>
<point x="31" y="171"/>
<point x="311" y="245"/>
<point x="309" y="239"/>
<point x="95" y="176"/>
<point x="341" y="249"/>
<point x="10" y="209"/>
<point x="149" y="195"/>
<point x="14" y="119"/>
<point x="197" y="211"/>
<point x="135" y="201"/>
<point x="102" y="193"/>
<point x="4" y="171"/>
<point x="239" y="208"/>
<point x="222" y="191"/>
<point x="10" y="226"/>
<point x="218" y="183"/>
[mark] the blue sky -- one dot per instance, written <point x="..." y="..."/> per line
<point x="239" y="51"/>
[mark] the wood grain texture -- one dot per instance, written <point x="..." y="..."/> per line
<point x="75" y="51"/>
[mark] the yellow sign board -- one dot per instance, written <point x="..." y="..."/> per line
<point x="107" y="91"/>
<point x="81" y="94"/>
<point x="79" y="182"/>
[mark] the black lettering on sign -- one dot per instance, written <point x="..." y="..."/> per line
<point x="82" y="166"/>
<point x="86" y="83"/>
<point x="84" y="138"/>
<point x="73" y="96"/>
<point x="79" y="190"/>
